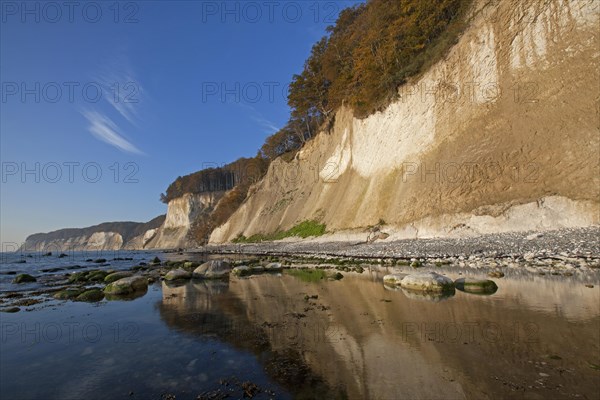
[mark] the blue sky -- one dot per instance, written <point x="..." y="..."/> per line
<point x="103" y="104"/>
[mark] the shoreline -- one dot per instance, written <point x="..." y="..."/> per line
<point x="580" y="245"/>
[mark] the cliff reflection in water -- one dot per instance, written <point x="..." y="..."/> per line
<point x="359" y="340"/>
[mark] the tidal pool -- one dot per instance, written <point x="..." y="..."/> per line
<point x="282" y="336"/>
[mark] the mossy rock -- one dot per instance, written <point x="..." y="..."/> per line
<point x="92" y="296"/>
<point x="393" y="279"/>
<point x="78" y="277"/>
<point x="115" y="276"/>
<point x="67" y="294"/>
<point x="156" y="260"/>
<point x="178" y="274"/>
<point x="100" y="260"/>
<point x="242" y="270"/>
<point x="337" y="276"/>
<point x="97" y="276"/>
<point x="427" y="282"/>
<point x="10" y="309"/>
<point x="24" y="278"/>
<point x="127" y="285"/>
<point x="471" y="285"/>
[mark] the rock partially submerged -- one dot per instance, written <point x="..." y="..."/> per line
<point x="393" y="279"/>
<point x="24" y="278"/>
<point x="115" y="276"/>
<point x="178" y="275"/>
<point x="242" y="270"/>
<point x="67" y="294"/>
<point x="127" y="285"/>
<point x="427" y="282"/>
<point x="472" y="285"/>
<point x="273" y="267"/>
<point x="214" y="269"/>
<point x="92" y="296"/>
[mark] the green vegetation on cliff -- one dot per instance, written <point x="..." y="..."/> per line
<point x="303" y="229"/>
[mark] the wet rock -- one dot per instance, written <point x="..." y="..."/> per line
<point x="472" y="285"/>
<point x="96" y="276"/>
<point x="100" y="261"/>
<point x="393" y="279"/>
<point x="337" y="276"/>
<point x="427" y="282"/>
<point x="24" y="278"/>
<point x="242" y="270"/>
<point x="115" y="276"/>
<point x="496" y="274"/>
<point x="178" y="274"/>
<point x="213" y="269"/>
<point x="63" y="255"/>
<point x="78" y="277"/>
<point x="67" y="294"/>
<point x="155" y="260"/>
<point x="127" y="285"/>
<point x="273" y="267"/>
<point x="10" y="309"/>
<point x="92" y="296"/>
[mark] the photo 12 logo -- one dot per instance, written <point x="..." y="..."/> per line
<point x="68" y="171"/>
<point x="252" y="12"/>
<point x="54" y="12"/>
<point x="70" y="92"/>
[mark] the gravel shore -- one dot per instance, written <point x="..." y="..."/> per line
<point x="580" y="247"/>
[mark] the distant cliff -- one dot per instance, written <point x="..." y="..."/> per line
<point x="183" y="213"/>
<point x="105" y="236"/>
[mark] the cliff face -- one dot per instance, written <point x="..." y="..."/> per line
<point x="182" y="213"/>
<point x="106" y="236"/>
<point x="501" y="135"/>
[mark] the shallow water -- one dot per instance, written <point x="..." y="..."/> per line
<point x="536" y="337"/>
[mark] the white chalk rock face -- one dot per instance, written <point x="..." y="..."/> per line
<point x="427" y="282"/>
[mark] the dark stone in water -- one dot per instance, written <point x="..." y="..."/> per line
<point x="100" y="260"/>
<point x="24" y="278"/>
<point x="10" y="309"/>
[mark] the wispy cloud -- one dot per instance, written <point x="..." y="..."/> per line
<point x="256" y="116"/>
<point x="106" y="130"/>
<point x="122" y="91"/>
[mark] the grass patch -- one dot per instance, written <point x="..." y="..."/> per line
<point x="307" y="275"/>
<point x="304" y="229"/>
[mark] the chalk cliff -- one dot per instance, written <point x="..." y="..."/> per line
<point x="502" y="134"/>
<point x="106" y="236"/>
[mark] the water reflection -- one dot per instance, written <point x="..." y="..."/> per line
<point x="353" y="338"/>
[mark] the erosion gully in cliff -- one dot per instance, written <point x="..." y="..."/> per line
<point x="444" y="246"/>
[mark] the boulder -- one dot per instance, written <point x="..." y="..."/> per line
<point x="67" y="294"/>
<point x="92" y="295"/>
<point x="213" y="269"/>
<point x="178" y="274"/>
<point x="96" y="276"/>
<point x="472" y="285"/>
<point x="393" y="279"/>
<point x="24" y="278"/>
<point x="115" y="276"/>
<point x="427" y="282"/>
<point x="127" y="285"/>
<point x="242" y="270"/>
<point x="273" y="267"/>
